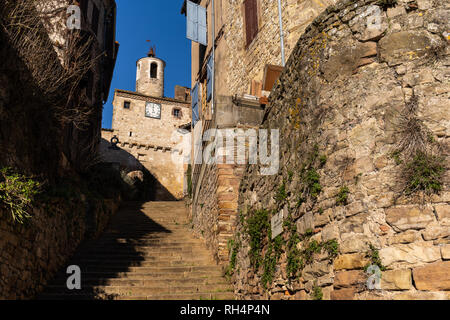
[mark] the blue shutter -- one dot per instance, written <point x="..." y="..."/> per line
<point x="202" y="27"/>
<point x="194" y="96"/>
<point x="192" y="21"/>
<point x="209" y="68"/>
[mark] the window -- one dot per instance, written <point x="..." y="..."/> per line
<point x="176" y="112"/>
<point x="153" y="70"/>
<point x="131" y="133"/>
<point x="95" y="16"/>
<point x="126" y="104"/>
<point x="251" y="20"/>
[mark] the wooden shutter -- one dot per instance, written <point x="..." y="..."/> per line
<point x="192" y="21"/>
<point x="251" y="20"/>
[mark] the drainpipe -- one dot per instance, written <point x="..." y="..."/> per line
<point x="281" y="33"/>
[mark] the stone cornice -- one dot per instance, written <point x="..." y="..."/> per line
<point x="143" y="97"/>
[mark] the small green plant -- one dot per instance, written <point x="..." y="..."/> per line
<point x="281" y="194"/>
<point x="257" y="225"/>
<point x="270" y="260"/>
<point x="17" y="193"/>
<point x="396" y="156"/>
<point x="233" y="247"/>
<point x="424" y="173"/>
<point x="322" y="160"/>
<point x="294" y="261"/>
<point x="374" y="257"/>
<point x="312" y="181"/>
<point x="332" y="248"/>
<point x="290" y="175"/>
<point x="342" y="196"/>
<point x="317" y="293"/>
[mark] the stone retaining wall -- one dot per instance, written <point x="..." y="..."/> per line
<point x="32" y="253"/>
<point x="364" y="87"/>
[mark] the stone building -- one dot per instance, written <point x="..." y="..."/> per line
<point x="147" y="127"/>
<point x="247" y="62"/>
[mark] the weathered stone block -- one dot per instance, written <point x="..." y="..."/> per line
<point x="404" y="218"/>
<point x="330" y="232"/>
<point x="433" y="277"/>
<point x="305" y="222"/>
<point x="343" y="294"/>
<point x="445" y="252"/>
<point x="351" y="261"/>
<point x="404" y="237"/>
<point x="409" y="254"/>
<point x="443" y="213"/>
<point x="396" y="280"/>
<point x="316" y="270"/>
<point x="346" y="279"/>
<point x="356" y="243"/>
<point x="403" y="46"/>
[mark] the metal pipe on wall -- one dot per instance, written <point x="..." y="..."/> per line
<point x="281" y="33"/>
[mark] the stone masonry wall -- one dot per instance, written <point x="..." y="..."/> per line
<point x="355" y="106"/>
<point x="216" y="209"/>
<point x="31" y="254"/>
<point x="247" y="64"/>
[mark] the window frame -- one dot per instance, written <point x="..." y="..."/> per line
<point x="156" y="70"/>
<point x="180" y="113"/>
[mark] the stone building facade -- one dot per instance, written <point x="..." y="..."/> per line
<point x="247" y="62"/>
<point x="360" y="219"/>
<point x="147" y="127"/>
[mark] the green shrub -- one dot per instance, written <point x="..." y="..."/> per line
<point x="342" y="196"/>
<point x="17" y="193"/>
<point x="312" y="181"/>
<point x="424" y="173"/>
<point x="281" y="194"/>
<point x="317" y="293"/>
<point x="257" y="225"/>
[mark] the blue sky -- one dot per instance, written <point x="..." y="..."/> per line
<point x="160" y="22"/>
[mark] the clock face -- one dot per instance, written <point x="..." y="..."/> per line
<point x="153" y="110"/>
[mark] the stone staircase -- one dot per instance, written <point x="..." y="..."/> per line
<point x="147" y="253"/>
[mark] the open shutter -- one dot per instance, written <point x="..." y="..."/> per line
<point x="251" y="20"/>
<point x="192" y="21"/>
<point x="195" y="116"/>
<point x="202" y="27"/>
<point x="209" y="67"/>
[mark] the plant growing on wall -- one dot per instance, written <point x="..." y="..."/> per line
<point x="17" y="193"/>
<point x="418" y="154"/>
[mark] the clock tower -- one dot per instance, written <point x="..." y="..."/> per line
<point x="150" y="75"/>
<point x="145" y="131"/>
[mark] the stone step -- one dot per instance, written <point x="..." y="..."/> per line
<point x="189" y="296"/>
<point x="151" y="256"/>
<point x="135" y="250"/>
<point x="141" y="281"/>
<point x="144" y="263"/>
<point x="156" y="276"/>
<point x="144" y="290"/>
<point x="137" y="270"/>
